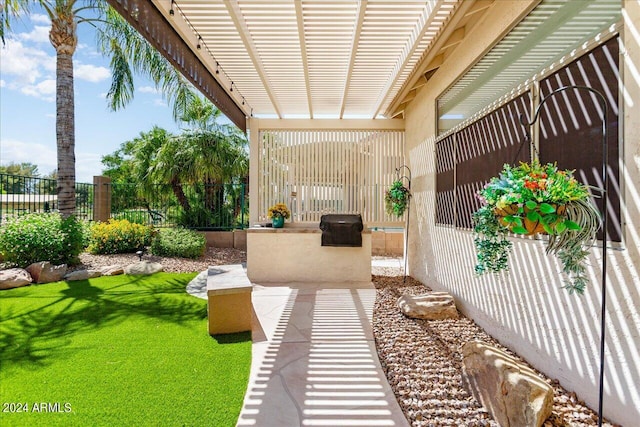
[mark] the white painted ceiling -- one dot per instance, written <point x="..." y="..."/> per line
<point x="366" y="58"/>
<point x="312" y="58"/>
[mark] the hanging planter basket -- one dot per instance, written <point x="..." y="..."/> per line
<point x="535" y="220"/>
<point x="535" y="199"/>
<point x="396" y="199"/>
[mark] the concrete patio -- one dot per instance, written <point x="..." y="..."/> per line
<point x="314" y="359"/>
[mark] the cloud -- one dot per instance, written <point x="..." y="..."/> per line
<point x="45" y="90"/>
<point x="25" y="63"/>
<point x="148" y="89"/>
<point x="2" y="83"/>
<point x="39" y="18"/>
<point x="45" y="156"/>
<point x="159" y="102"/>
<point x="39" y="34"/>
<point x="91" y="73"/>
<point x="88" y="165"/>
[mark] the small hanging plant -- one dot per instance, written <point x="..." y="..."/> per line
<point x="531" y="199"/>
<point x="396" y="199"/>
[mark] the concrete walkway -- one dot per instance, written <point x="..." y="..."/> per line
<point x="314" y="359"/>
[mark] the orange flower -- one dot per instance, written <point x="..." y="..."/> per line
<point x="531" y="185"/>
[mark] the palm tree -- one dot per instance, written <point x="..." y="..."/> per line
<point x="129" y="52"/>
<point x="65" y="16"/>
<point x="206" y="158"/>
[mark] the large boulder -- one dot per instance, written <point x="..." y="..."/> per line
<point x="143" y="268"/>
<point x="82" y="275"/>
<point x="431" y="306"/>
<point x="509" y="390"/>
<point x="45" y="272"/>
<point x="14" y="278"/>
<point x="111" y="270"/>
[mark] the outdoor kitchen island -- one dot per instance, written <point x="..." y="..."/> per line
<point x="295" y="254"/>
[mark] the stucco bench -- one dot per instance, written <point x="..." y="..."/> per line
<point x="228" y="299"/>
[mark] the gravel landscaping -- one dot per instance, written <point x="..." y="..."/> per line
<point x="421" y="358"/>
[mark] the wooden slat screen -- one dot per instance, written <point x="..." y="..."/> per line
<point x="571" y="124"/>
<point x="445" y="181"/>
<point x="482" y="148"/>
<point x="329" y="171"/>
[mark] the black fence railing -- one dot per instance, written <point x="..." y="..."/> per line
<point x="198" y="206"/>
<point x="24" y="194"/>
<point x="202" y="207"/>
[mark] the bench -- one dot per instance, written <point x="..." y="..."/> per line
<point x="228" y="299"/>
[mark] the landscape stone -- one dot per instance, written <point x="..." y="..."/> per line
<point x="82" y="275"/>
<point x="143" y="268"/>
<point x="198" y="285"/>
<point x="14" y="278"/>
<point x="509" y="390"/>
<point x="431" y="306"/>
<point x="111" y="270"/>
<point x="45" y="272"/>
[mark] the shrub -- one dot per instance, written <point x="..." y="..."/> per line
<point x="178" y="242"/>
<point x="119" y="236"/>
<point x="42" y="237"/>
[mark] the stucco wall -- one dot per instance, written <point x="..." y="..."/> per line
<point x="526" y="309"/>
<point x="295" y="254"/>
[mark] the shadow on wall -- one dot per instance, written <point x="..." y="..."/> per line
<point x="527" y="310"/>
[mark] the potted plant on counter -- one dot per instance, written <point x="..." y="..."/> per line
<point x="534" y="198"/>
<point x="278" y="213"/>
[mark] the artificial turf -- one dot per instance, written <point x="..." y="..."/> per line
<point x="117" y="351"/>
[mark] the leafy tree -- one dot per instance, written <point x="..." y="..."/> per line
<point x="131" y="164"/>
<point x="17" y="178"/>
<point x="22" y="169"/>
<point x="205" y="156"/>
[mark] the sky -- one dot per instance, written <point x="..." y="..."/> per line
<point x="28" y="109"/>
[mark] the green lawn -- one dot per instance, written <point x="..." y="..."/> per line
<point x="117" y="351"/>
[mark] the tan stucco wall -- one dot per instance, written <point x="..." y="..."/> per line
<point x="526" y="309"/>
<point x="286" y="255"/>
<point x="226" y="239"/>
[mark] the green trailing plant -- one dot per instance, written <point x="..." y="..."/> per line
<point x="42" y="237"/>
<point x="119" y="236"/>
<point x="531" y="199"/>
<point x="178" y="242"/>
<point x="396" y="199"/>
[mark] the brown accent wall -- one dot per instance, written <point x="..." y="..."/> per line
<point x="571" y="124"/>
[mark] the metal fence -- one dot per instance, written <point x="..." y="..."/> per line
<point x="198" y="206"/>
<point x="20" y="195"/>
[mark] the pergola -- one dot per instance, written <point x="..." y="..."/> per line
<point x="303" y="74"/>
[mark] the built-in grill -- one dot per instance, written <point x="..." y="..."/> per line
<point x="341" y="230"/>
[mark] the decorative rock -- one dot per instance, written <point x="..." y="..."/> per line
<point x="431" y="306"/>
<point x="82" y="275"/>
<point x="14" y="278"/>
<point x="198" y="285"/>
<point x="111" y="270"/>
<point x="509" y="390"/>
<point x="143" y="268"/>
<point x="45" y="272"/>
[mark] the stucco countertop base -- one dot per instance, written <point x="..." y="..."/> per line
<point x="295" y="254"/>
